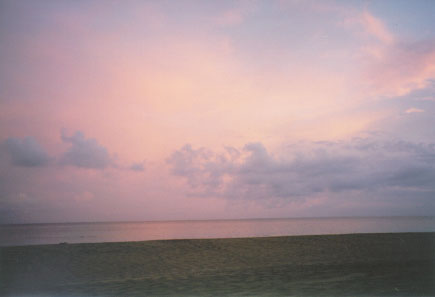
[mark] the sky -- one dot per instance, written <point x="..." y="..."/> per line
<point x="171" y="110"/>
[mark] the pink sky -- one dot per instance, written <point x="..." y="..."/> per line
<point x="98" y="101"/>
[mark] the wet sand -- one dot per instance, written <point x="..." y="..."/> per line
<point x="398" y="264"/>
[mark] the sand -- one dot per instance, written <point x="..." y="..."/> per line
<point x="398" y="264"/>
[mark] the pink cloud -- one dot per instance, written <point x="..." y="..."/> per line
<point x="401" y="68"/>
<point x="84" y="196"/>
<point x="414" y="110"/>
<point x="391" y="66"/>
<point x="230" y="17"/>
<point x="236" y="15"/>
<point x="375" y="27"/>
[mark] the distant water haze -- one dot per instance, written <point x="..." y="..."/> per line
<point x="31" y="234"/>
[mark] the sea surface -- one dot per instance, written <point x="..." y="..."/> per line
<point x="31" y="234"/>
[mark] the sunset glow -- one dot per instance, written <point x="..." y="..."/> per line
<point x="161" y="110"/>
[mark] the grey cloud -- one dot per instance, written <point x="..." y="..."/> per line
<point x="202" y="167"/>
<point x="85" y="152"/>
<point x="26" y="152"/>
<point x="137" y="166"/>
<point x="364" y="165"/>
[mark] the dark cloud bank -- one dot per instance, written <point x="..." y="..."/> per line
<point x="360" y="166"/>
<point x="82" y="152"/>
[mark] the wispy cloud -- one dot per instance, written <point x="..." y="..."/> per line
<point x="395" y="66"/>
<point x="402" y="68"/>
<point x="236" y="14"/>
<point x="414" y="110"/>
<point x="375" y="27"/>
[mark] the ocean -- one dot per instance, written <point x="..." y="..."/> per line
<point x="34" y="234"/>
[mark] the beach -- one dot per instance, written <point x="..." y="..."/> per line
<point x="384" y="264"/>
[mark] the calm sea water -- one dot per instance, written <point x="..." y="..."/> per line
<point x="29" y="234"/>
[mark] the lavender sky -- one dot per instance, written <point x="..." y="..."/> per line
<point x="160" y="110"/>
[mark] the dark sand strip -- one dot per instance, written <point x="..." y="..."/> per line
<point x="398" y="264"/>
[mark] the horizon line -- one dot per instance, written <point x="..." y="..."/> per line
<point x="216" y="219"/>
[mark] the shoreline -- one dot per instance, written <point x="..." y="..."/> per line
<point x="214" y="238"/>
<point x="217" y="220"/>
<point x="369" y="264"/>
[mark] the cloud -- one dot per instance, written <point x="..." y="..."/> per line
<point x="84" y="196"/>
<point x="392" y="66"/>
<point x="230" y="17"/>
<point x="85" y="152"/>
<point x="137" y="166"/>
<point x="194" y="165"/>
<point x="236" y="14"/>
<point x="375" y="27"/>
<point x="395" y="67"/>
<point x="26" y="152"/>
<point x="365" y="166"/>
<point x="403" y="68"/>
<point x="414" y="110"/>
